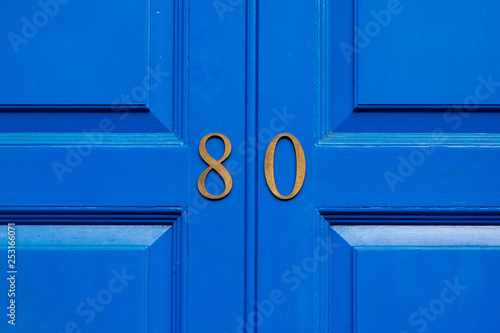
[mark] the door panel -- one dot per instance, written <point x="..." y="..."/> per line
<point x="75" y="42"/>
<point x="434" y="278"/>
<point x="97" y="274"/>
<point x="406" y="53"/>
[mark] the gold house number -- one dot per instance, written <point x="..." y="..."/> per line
<point x="300" y="173"/>
<point x="217" y="166"/>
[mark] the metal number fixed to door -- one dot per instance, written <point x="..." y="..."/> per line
<point x="217" y="166"/>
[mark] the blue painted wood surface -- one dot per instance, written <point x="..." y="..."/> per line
<point x="428" y="278"/>
<point x="424" y="53"/>
<point x="66" y="52"/>
<point x="378" y="152"/>
<point x="91" y="276"/>
<point x="114" y="171"/>
<point x="101" y="115"/>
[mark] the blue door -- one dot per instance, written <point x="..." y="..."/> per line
<point x="259" y="166"/>
<point x="103" y="105"/>
<point x="395" y="228"/>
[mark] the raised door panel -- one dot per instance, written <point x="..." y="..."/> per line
<point x="423" y="53"/>
<point x="413" y="278"/>
<point x="71" y="53"/>
<point x="68" y="56"/>
<point x="77" y="278"/>
<point x="92" y="109"/>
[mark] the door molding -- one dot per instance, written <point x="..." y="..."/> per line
<point x="163" y="123"/>
<point x="339" y="121"/>
<point x="326" y="218"/>
<point x="116" y="216"/>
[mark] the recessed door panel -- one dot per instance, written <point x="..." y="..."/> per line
<point x="95" y="278"/>
<point x="415" y="278"/>
<point x="425" y="52"/>
<point x="74" y="53"/>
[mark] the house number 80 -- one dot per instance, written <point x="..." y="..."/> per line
<point x="216" y="165"/>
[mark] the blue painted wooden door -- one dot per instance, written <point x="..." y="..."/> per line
<point x="396" y="227"/>
<point x="102" y="107"/>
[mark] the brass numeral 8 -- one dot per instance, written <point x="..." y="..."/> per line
<point x="215" y="165"/>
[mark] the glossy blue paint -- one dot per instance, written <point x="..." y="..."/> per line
<point x="400" y="193"/>
<point x="411" y="278"/>
<point x="92" y="275"/>
<point x="379" y="153"/>
<point x="409" y="51"/>
<point x="80" y="73"/>
<point x="216" y="101"/>
<point x="368" y="55"/>
<point x="105" y="172"/>
<point x="68" y="52"/>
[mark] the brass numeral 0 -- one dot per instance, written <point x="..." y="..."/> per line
<point x="215" y="165"/>
<point x="300" y="173"/>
